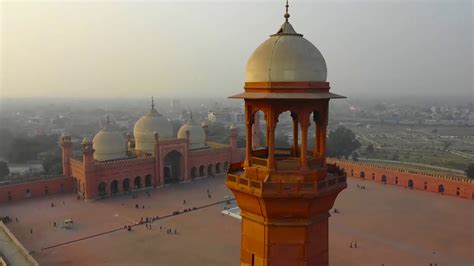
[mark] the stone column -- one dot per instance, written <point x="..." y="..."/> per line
<point x="294" y="146"/>
<point x="256" y="131"/>
<point x="271" y="143"/>
<point x="304" y="144"/>
<point x="322" y="150"/>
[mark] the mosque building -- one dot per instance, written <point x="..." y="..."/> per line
<point x="113" y="164"/>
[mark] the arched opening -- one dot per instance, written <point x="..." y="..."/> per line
<point x="226" y="166"/>
<point x="114" y="187"/>
<point x="218" y="168"/>
<point x="384" y="179"/>
<point x="426" y="185"/>
<point x="28" y="193"/>
<point x="193" y="172"/>
<point x="209" y="170"/>
<point x="284" y="134"/>
<point x="137" y="182"/>
<point x="457" y="191"/>
<point x="126" y="185"/>
<point x="102" y="189"/>
<point x="148" y="181"/>
<point x="441" y="189"/>
<point x="173" y="162"/>
<point x="373" y="176"/>
<point x="313" y="119"/>
<point x="259" y="133"/>
<point x="352" y="172"/>
<point x="396" y="180"/>
<point x="202" y="170"/>
<point x="362" y="174"/>
<point x="410" y="184"/>
<point x="46" y="191"/>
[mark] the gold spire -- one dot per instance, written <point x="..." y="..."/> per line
<point x="287" y="15"/>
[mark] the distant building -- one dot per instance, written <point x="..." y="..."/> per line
<point x="218" y="117"/>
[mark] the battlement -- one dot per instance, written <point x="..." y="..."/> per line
<point x="124" y="162"/>
<point x="30" y="179"/>
<point x="401" y="170"/>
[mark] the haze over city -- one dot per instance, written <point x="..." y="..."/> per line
<point x="171" y="49"/>
<point x="252" y="133"/>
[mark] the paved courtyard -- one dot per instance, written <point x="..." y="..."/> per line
<point x="392" y="226"/>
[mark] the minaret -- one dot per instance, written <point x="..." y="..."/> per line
<point x="285" y="195"/>
<point x="156" y="157"/>
<point x="66" y="147"/>
<point x="88" y="162"/>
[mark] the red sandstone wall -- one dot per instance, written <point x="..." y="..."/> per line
<point x="13" y="192"/>
<point x="453" y="186"/>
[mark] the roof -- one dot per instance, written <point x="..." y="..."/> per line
<point x="287" y="95"/>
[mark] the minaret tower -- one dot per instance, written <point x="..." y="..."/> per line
<point x="285" y="195"/>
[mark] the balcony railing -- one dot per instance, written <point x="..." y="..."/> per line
<point x="336" y="176"/>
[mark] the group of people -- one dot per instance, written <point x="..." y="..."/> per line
<point x="353" y="246"/>
<point x="360" y="187"/>
<point x="7" y="219"/>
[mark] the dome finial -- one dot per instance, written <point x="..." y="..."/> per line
<point x="152" y="103"/>
<point x="287" y="15"/>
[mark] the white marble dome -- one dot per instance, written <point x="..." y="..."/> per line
<point x="146" y="127"/>
<point x="197" y="135"/>
<point x="109" y="144"/>
<point x="286" y="57"/>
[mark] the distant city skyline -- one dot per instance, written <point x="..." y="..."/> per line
<point x="103" y="49"/>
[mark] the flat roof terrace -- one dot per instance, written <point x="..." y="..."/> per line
<point x="392" y="226"/>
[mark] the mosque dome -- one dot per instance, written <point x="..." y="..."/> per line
<point x="286" y="57"/>
<point x="197" y="135"/>
<point x="146" y="127"/>
<point x="109" y="144"/>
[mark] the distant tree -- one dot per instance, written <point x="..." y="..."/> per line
<point x="447" y="144"/>
<point x="470" y="171"/>
<point x="342" y="142"/>
<point x="4" y="170"/>
<point x="395" y="157"/>
<point x="52" y="164"/>
<point x="355" y="156"/>
<point x="370" y="148"/>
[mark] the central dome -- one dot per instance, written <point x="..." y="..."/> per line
<point x="286" y="57"/>
<point x="145" y="128"/>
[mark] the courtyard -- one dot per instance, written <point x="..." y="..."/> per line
<point x="391" y="225"/>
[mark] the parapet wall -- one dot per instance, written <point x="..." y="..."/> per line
<point x="457" y="186"/>
<point x="35" y="188"/>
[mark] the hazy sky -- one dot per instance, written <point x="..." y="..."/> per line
<point x="177" y="48"/>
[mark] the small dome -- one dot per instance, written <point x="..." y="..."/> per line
<point x="197" y="136"/>
<point x="146" y="127"/>
<point x="109" y="144"/>
<point x="286" y="57"/>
